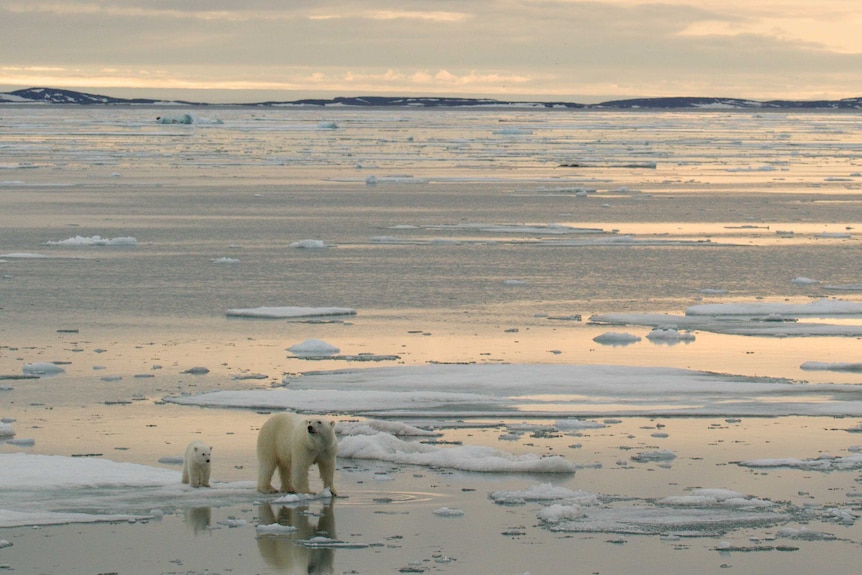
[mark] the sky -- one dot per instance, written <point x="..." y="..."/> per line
<point x="561" y="50"/>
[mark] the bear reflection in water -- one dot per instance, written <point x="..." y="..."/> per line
<point x="198" y="518"/>
<point x="284" y="551"/>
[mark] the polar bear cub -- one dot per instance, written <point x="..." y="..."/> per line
<point x="196" y="464"/>
<point x="292" y="444"/>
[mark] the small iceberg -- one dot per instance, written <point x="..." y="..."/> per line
<point x="616" y="338"/>
<point x="42" y="368"/>
<point x="315" y="347"/>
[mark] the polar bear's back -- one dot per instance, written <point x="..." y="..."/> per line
<point x="276" y="434"/>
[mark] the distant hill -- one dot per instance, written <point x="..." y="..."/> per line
<point x="59" y="96"/>
<point x="731" y="103"/>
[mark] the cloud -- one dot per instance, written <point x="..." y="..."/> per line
<point x="485" y="47"/>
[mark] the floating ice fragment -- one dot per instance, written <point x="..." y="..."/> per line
<point x="821" y="366"/>
<point x="660" y="455"/>
<point x="822" y="463"/>
<point x="313" y="347"/>
<point x="275" y="529"/>
<point x="94" y="241"/>
<point x="308" y="244"/>
<point x="557" y="513"/>
<point x="289" y="312"/>
<point x="448" y="512"/>
<point x="803" y="281"/>
<point x="196" y="371"/>
<point x="42" y="368"/>
<point x="805" y="534"/>
<point x="574" y="423"/>
<point x="512" y="131"/>
<point x="616" y="338"/>
<point x="186" y="119"/>
<point x="544" y="493"/>
<point x="327" y="125"/>
<point x="373" y="426"/>
<point x="386" y="447"/>
<point x="669" y="334"/>
<point x="225" y="260"/>
<point x="6" y="430"/>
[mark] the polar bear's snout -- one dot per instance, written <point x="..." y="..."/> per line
<point x="311" y="430"/>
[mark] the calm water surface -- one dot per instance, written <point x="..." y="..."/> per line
<point x="458" y="236"/>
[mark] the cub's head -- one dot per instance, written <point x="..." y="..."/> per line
<point x="203" y="454"/>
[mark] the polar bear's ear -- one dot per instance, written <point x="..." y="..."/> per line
<point x="332" y="423"/>
<point x="196" y="448"/>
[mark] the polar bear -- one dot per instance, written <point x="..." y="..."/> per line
<point x="196" y="464"/>
<point x="292" y="444"/>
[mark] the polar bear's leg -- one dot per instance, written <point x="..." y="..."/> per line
<point x="266" y="467"/>
<point x="299" y="477"/>
<point x="205" y="476"/>
<point x="186" y="472"/>
<point x="327" y="473"/>
<point x="287" y="484"/>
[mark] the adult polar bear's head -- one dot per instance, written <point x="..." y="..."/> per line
<point x="320" y="432"/>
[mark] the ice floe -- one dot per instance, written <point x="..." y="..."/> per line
<point x="822" y="463"/>
<point x="313" y="347"/>
<point x="822" y="308"/>
<point x="383" y="446"/>
<point x="840" y="366"/>
<point x="94" y="241"/>
<point x="309" y="244"/>
<point x="42" y="368"/>
<point x="457" y="390"/>
<point x="288" y="312"/>
<point x="616" y="338"/>
<point x="40" y="489"/>
<point x="756" y="319"/>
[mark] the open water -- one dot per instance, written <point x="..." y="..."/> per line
<point x="458" y="236"/>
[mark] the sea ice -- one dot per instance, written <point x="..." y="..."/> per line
<point x="544" y="493"/>
<point x="275" y="529"/>
<point x="42" y="368"/>
<point x="308" y="244"/>
<point x="616" y="338"/>
<point x="823" y="307"/>
<point x="669" y="334"/>
<point x="6" y="430"/>
<point x="313" y="347"/>
<point x="496" y="389"/>
<point x="94" y="241"/>
<point x="385" y="447"/>
<point x="803" y="281"/>
<point x="372" y="426"/>
<point x="289" y="312"/>
<point x="821" y="366"/>
<point x="659" y="455"/>
<point x="821" y="463"/>
<point x="448" y="512"/>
